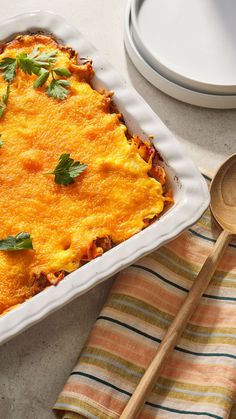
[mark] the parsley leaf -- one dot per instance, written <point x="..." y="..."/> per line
<point x="34" y="53"/>
<point x="8" y="66"/>
<point x="4" y="100"/>
<point x="43" y="58"/>
<point x="19" y="242"/>
<point x="58" y="89"/>
<point x="27" y="65"/>
<point x="40" y="64"/>
<point x="46" y="58"/>
<point x="67" y="169"/>
<point x="34" y="62"/>
<point x="1" y="141"/>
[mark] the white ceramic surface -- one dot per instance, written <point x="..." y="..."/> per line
<point x="190" y="190"/>
<point x="171" y="88"/>
<point x="191" y="42"/>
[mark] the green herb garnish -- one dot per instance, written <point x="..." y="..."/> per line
<point x="1" y="141"/>
<point x="4" y="100"/>
<point x="42" y="65"/>
<point x="28" y="63"/>
<point x="34" y="62"/>
<point x="67" y="169"/>
<point x="8" y="67"/>
<point x="19" y="242"/>
<point x="43" y="57"/>
<point x="58" y="89"/>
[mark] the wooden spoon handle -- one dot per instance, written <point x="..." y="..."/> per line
<point x="175" y="330"/>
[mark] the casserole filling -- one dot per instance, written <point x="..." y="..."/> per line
<point x="119" y="190"/>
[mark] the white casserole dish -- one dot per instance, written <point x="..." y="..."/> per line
<point x="190" y="190"/>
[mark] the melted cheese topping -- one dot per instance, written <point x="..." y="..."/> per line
<point x="113" y="197"/>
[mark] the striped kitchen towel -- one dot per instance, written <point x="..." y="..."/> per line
<point x="199" y="379"/>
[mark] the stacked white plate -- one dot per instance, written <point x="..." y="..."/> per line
<point x="186" y="48"/>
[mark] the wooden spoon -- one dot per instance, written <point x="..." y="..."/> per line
<point x="223" y="207"/>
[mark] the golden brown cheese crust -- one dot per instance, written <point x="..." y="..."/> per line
<point x="114" y="197"/>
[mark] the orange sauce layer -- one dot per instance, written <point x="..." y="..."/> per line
<point x="113" y="197"/>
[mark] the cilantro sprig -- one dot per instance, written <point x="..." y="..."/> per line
<point x="19" y="242"/>
<point x="67" y="170"/>
<point x="42" y="64"/>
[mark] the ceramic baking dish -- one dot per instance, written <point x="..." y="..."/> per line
<point x="189" y="188"/>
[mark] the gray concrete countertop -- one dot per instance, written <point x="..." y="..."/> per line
<point x="35" y="365"/>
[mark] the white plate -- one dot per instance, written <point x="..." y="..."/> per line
<point x="191" y="42"/>
<point x="167" y="86"/>
<point x="190" y="190"/>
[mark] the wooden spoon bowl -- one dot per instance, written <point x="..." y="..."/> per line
<point x="223" y="195"/>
